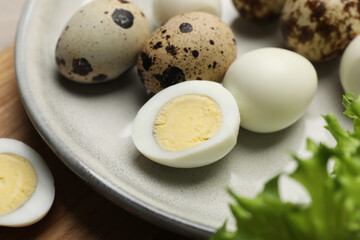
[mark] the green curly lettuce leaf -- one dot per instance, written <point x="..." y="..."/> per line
<point x="334" y="211"/>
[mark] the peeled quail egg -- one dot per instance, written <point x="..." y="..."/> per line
<point x="320" y="30"/>
<point x="26" y="185"/>
<point x="273" y="88"/>
<point x="349" y="68"/>
<point x="101" y="41"/>
<point x="166" y="9"/>
<point x="194" y="45"/>
<point x="187" y="125"/>
<point x="259" y="9"/>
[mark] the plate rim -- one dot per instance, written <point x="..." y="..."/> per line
<point x="118" y="196"/>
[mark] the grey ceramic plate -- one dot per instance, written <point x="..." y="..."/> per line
<point x="89" y="127"/>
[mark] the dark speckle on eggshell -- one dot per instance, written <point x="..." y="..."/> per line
<point x="214" y="65"/>
<point x="287" y="26"/>
<point x="170" y="76"/>
<point x="326" y="30"/>
<point x="318" y="9"/>
<point x="146" y="61"/>
<point x="212" y="42"/>
<point x="81" y="66"/>
<point x="306" y="34"/>
<point x="60" y="61"/>
<point x="171" y="49"/>
<point x="123" y="1"/>
<point x="123" y="18"/>
<point x="348" y="28"/>
<point x="186" y="28"/>
<point x="158" y="45"/>
<point x="195" y="53"/>
<point x="349" y="5"/>
<point x="100" y="77"/>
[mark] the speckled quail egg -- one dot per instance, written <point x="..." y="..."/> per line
<point x="190" y="124"/>
<point x="101" y="41"/>
<point x="189" y="46"/>
<point x="320" y="30"/>
<point x="165" y="9"/>
<point x="259" y="10"/>
<point x="273" y="88"/>
<point x="26" y="185"/>
<point x="349" y="68"/>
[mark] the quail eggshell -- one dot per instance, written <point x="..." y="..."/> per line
<point x="320" y="30"/>
<point x="259" y="10"/>
<point x="190" y="46"/>
<point x="166" y="9"/>
<point x="101" y="41"/>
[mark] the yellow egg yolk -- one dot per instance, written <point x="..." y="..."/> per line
<point x="18" y="181"/>
<point x="186" y="121"/>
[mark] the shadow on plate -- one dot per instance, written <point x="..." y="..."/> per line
<point x="328" y="69"/>
<point x="123" y="82"/>
<point x="254" y="142"/>
<point x="262" y="141"/>
<point x="128" y="83"/>
<point x="180" y="176"/>
<point x="250" y="29"/>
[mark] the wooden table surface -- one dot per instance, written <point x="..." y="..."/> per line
<point x="78" y="211"/>
<point x="10" y="12"/>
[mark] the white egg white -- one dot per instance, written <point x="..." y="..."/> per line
<point x="165" y="9"/>
<point x="273" y="88"/>
<point x="41" y="201"/>
<point x="206" y="153"/>
<point x="349" y="68"/>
